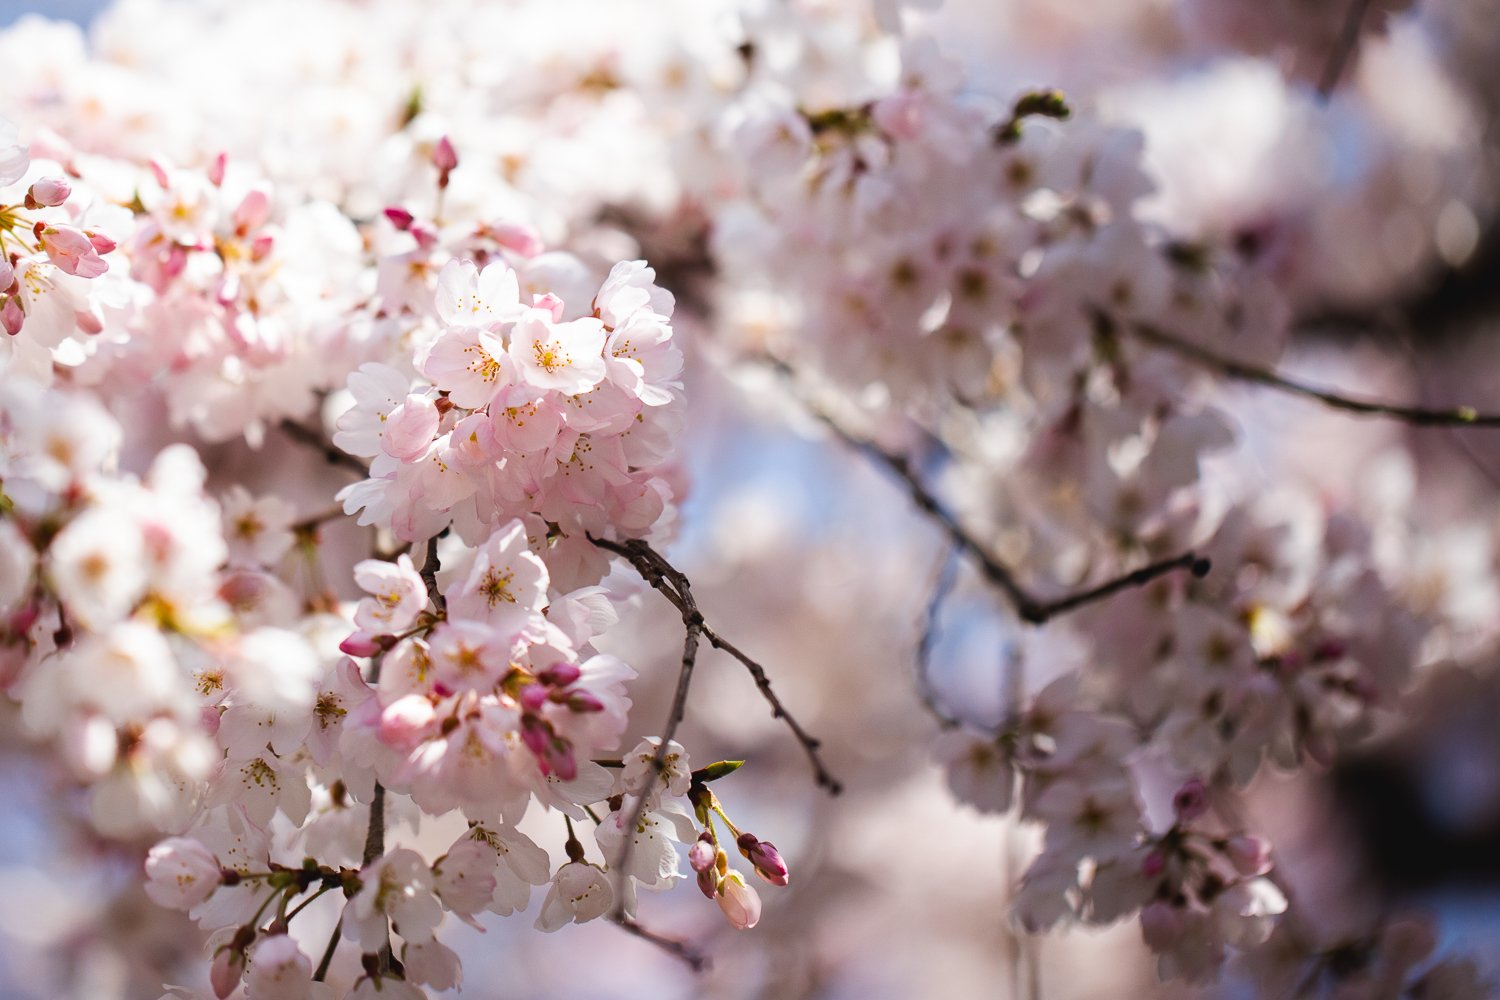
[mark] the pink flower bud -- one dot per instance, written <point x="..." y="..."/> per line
<point x="224" y="974"/>
<point x="523" y="240"/>
<point x="71" y="250"/>
<point x="701" y="854"/>
<point x="1250" y="855"/>
<point x="49" y="192"/>
<point x="216" y="169"/>
<point x="532" y="697"/>
<point x="444" y="156"/>
<point x="102" y="244"/>
<point x="739" y="902"/>
<point x="400" y="217"/>
<point x="361" y="644"/>
<point x="11" y="316"/>
<point x="554" y="754"/>
<point x="708" y="883"/>
<point x="560" y="674"/>
<point x="766" y="859"/>
<point x="560" y="759"/>
<point x="1161" y="925"/>
<point x="583" y="702"/>
<point x="406" y="722"/>
<point x="410" y="428"/>
<point x="1191" y="801"/>
<point x="551" y="303"/>
<point x="7" y="274"/>
<point x="425" y="235"/>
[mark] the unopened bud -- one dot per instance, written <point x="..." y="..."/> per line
<point x="49" y="192"/>
<point x="766" y="859"/>
<point x="216" y="169"/>
<point x="532" y="697"/>
<point x="224" y="974"/>
<point x="444" y="156"/>
<point x="560" y="674"/>
<point x="102" y="244"/>
<point x="583" y="702"/>
<point x="701" y="854"/>
<point x="739" y="902"/>
<point x="361" y="644"/>
<point x="11" y="316"/>
<point x="1191" y="801"/>
<point x="551" y="303"/>
<point x="400" y="217"/>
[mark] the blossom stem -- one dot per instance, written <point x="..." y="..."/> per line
<point x="1420" y="416"/>
<point x="672" y="584"/>
<point x="332" y="946"/>
<point x="308" y="902"/>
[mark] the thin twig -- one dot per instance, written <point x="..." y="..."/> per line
<point x="942" y="586"/>
<point x="675" y="586"/>
<point x="1343" y="47"/>
<point x="810" y="744"/>
<point x="695" y="959"/>
<point x="312" y="521"/>
<point x="672" y="584"/>
<point x="333" y="944"/>
<point x="313" y="439"/>
<point x="1420" y="416"/>
<point x="1028" y="607"/>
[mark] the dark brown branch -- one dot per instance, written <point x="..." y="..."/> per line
<point x="429" y="571"/>
<point x="1420" y="416"/>
<point x="313" y="439"/>
<point x="1196" y="564"/>
<point x="1029" y="608"/>
<point x="1343" y="47"/>
<point x="810" y="744"/>
<point x="941" y="588"/>
<point x="695" y="959"/>
<point x="311" y="523"/>
<point x="672" y="584"/>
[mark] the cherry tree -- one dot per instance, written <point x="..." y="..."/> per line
<point x="366" y="366"/>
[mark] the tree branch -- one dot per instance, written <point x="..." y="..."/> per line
<point x="1420" y="416"/>
<point x="1343" y="47"/>
<point x="672" y="584"/>
<point x="304" y="435"/>
<point x="941" y="588"/>
<point x="1028" y="607"/>
<point x="695" y="959"/>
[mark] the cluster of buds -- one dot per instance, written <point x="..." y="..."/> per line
<point x="72" y="250"/>
<point x="1208" y="891"/>
<point x="717" y="881"/>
